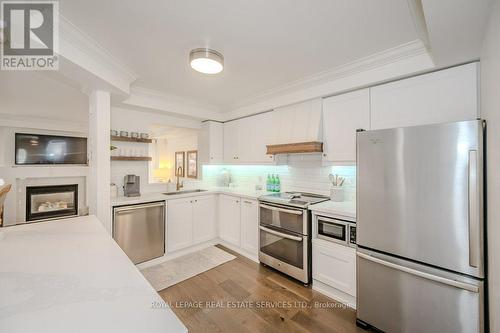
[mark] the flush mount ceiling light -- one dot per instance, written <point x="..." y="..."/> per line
<point x="206" y="61"/>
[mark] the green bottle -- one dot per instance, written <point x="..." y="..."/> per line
<point x="268" y="183"/>
<point x="277" y="185"/>
<point x="273" y="184"/>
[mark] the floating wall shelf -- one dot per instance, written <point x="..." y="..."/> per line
<point x="126" y="139"/>
<point x="130" y="158"/>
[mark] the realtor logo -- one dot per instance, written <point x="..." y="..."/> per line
<point x="30" y="38"/>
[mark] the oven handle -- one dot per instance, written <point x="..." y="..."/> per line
<point x="289" y="211"/>
<point x="294" y="238"/>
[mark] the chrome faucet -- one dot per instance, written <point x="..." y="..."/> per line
<point x="179" y="184"/>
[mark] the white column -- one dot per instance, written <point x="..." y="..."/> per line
<point x="98" y="188"/>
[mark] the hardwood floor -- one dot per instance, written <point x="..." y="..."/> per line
<point x="242" y="296"/>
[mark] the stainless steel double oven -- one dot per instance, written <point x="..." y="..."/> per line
<point x="285" y="234"/>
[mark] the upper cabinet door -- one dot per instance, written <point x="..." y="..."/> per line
<point x="442" y="96"/>
<point x="342" y="116"/>
<point x="265" y="134"/>
<point x="246" y="140"/>
<point x="210" y="143"/>
<point x="231" y="139"/>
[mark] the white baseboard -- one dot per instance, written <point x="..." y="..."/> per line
<point x="335" y="294"/>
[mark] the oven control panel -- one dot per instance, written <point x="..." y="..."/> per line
<point x="352" y="235"/>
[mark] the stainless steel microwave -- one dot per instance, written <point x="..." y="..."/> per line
<point x="336" y="230"/>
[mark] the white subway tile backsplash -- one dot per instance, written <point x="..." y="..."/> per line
<point x="303" y="176"/>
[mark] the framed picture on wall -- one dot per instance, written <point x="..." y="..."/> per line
<point x="179" y="163"/>
<point x="192" y="164"/>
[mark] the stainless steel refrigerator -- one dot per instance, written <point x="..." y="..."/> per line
<point x="420" y="228"/>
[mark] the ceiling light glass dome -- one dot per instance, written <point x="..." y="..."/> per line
<point x="206" y="61"/>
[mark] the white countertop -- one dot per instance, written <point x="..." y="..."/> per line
<point x="147" y="197"/>
<point x="70" y="276"/>
<point x="343" y="209"/>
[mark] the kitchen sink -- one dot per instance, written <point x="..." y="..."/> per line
<point x="184" y="192"/>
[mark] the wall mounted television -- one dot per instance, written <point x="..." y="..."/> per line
<point x="37" y="149"/>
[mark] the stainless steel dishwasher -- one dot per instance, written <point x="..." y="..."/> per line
<point x="140" y="230"/>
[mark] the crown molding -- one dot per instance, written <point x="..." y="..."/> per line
<point x="398" y="53"/>
<point x="170" y="104"/>
<point x="84" y="52"/>
<point x="417" y="14"/>
<point x="402" y="61"/>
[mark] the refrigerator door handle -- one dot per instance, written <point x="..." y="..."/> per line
<point x="474" y="218"/>
<point x="450" y="282"/>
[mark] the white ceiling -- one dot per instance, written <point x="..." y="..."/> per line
<point x="266" y="44"/>
<point x="33" y="94"/>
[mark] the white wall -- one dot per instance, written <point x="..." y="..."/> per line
<point x="32" y="102"/>
<point x="180" y="143"/>
<point x="156" y="125"/>
<point x="29" y="96"/>
<point x="490" y="101"/>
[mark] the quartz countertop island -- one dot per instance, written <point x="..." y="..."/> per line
<point x="69" y="275"/>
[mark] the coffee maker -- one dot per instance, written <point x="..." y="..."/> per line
<point x="132" y="186"/>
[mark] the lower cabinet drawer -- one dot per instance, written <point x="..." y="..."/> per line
<point x="335" y="265"/>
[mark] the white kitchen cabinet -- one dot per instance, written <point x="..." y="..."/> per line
<point x="342" y="116"/>
<point x="179" y="224"/>
<point x="264" y="135"/>
<point x="211" y="143"/>
<point x="204" y="218"/>
<point x="231" y="139"/>
<point x="246" y="140"/>
<point x="190" y="221"/>
<point x="250" y="226"/>
<point x="229" y="219"/>
<point x="442" y="96"/>
<point x="335" y="266"/>
<point x="299" y="122"/>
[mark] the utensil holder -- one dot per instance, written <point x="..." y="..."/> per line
<point x="337" y="193"/>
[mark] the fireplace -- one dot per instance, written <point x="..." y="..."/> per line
<point x="46" y="202"/>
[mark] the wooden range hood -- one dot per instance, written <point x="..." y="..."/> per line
<point x="295" y="148"/>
